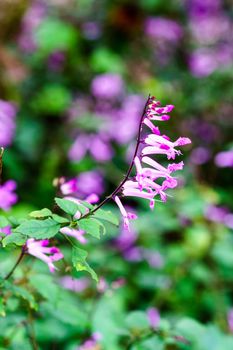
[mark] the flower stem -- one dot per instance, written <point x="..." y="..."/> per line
<point x="23" y="251"/>
<point x="111" y="196"/>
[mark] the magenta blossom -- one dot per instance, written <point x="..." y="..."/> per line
<point x="74" y="284"/>
<point x="91" y="343"/>
<point x="144" y="184"/>
<point x="7" y="196"/>
<point x="40" y="250"/>
<point x="163" y="29"/>
<point x="69" y="187"/>
<point x="7" y="123"/>
<point x="6" y="230"/>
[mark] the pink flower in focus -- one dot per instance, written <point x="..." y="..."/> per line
<point x="40" y="250"/>
<point x="7" y="197"/>
<point x="144" y="184"/>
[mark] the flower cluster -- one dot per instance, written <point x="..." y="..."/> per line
<point x="152" y="178"/>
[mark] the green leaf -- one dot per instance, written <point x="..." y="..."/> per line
<point x="92" y="226"/>
<point x="43" y="213"/>
<point x="69" y="207"/>
<point x="14" y="238"/>
<point x="137" y="321"/>
<point x="2" y="308"/>
<point x="53" y="34"/>
<point x="3" y="221"/>
<point x="22" y="293"/>
<point x="39" y="229"/>
<point x="60" y="219"/>
<point x="79" y="257"/>
<point x="107" y="216"/>
<point x="86" y="204"/>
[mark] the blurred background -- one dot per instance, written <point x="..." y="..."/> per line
<point x="78" y="73"/>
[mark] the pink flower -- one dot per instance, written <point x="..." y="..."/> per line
<point x="78" y="234"/>
<point x="69" y="187"/>
<point x="7" y="197"/>
<point x="126" y="215"/>
<point x="224" y="159"/>
<point x="154" y="317"/>
<point x="143" y="184"/>
<point x="40" y="250"/>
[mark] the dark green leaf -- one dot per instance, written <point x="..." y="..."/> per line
<point x="39" y="229"/>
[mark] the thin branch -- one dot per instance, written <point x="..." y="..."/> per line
<point x="23" y="251"/>
<point x="111" y="196"/>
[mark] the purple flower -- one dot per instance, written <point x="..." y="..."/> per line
<point x="73" y="232"/>
<point x="224" y="159"/>
<point x="6" y="230"/>
<point x="154" y="317"/>
<point x="230" y="320"/>
<point x="107" y="86"/>
<point x="74" y="284"/>
<point x="144" y="184"/>
<point x="97" y="145"/>
<point x="91" y="30"/>
<point x="7" y="196"/>
<point x="90" y="182"/>
<point x="69" y="187"/>
<point x="56" y="61"/>
<point x="91" y="343"/>
<point x="200" y="155"/>
<point x="7" y="123"/>
<point x="163" y="29"/>
<point x="40" y="250"/>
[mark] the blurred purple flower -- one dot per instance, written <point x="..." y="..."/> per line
<point x="215" y="213"/>
<point x="205" y="61"/>
<point x="107" y="86"/>
<point x="99" y="148"/>
<point x="31" y="20"/>
<point x="7" y="196"/>
<point x="6" y="230"/>
<point x="230" y="320"/>
<point x="56" y="61"/>
<point x="125" y="126"/>
<point x="200" y="155"/>
<point x="224" y="159"/>
<point x="202" y="62"/>
<point x="153" y="317"/>
<point x="91" y="343"/>
<point x="74" y="284"/>
<point x="91" y="30"/>
<point x="7" y="123"/>
<point x="163" y="29"/>
<point x="154" y="259"/>
<point x="90" y="182"/>
<point x="203" y="8"/>
<point x="210" y="29"/>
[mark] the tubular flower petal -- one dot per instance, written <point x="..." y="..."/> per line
<point x="143" y="184"/>
<point x="40" y="250"/>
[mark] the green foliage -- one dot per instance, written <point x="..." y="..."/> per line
<point x="79" y="257"/>
<point x="92" y="226"/>
<point x="39" y="229"/>
<point x="54" y="34"/>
